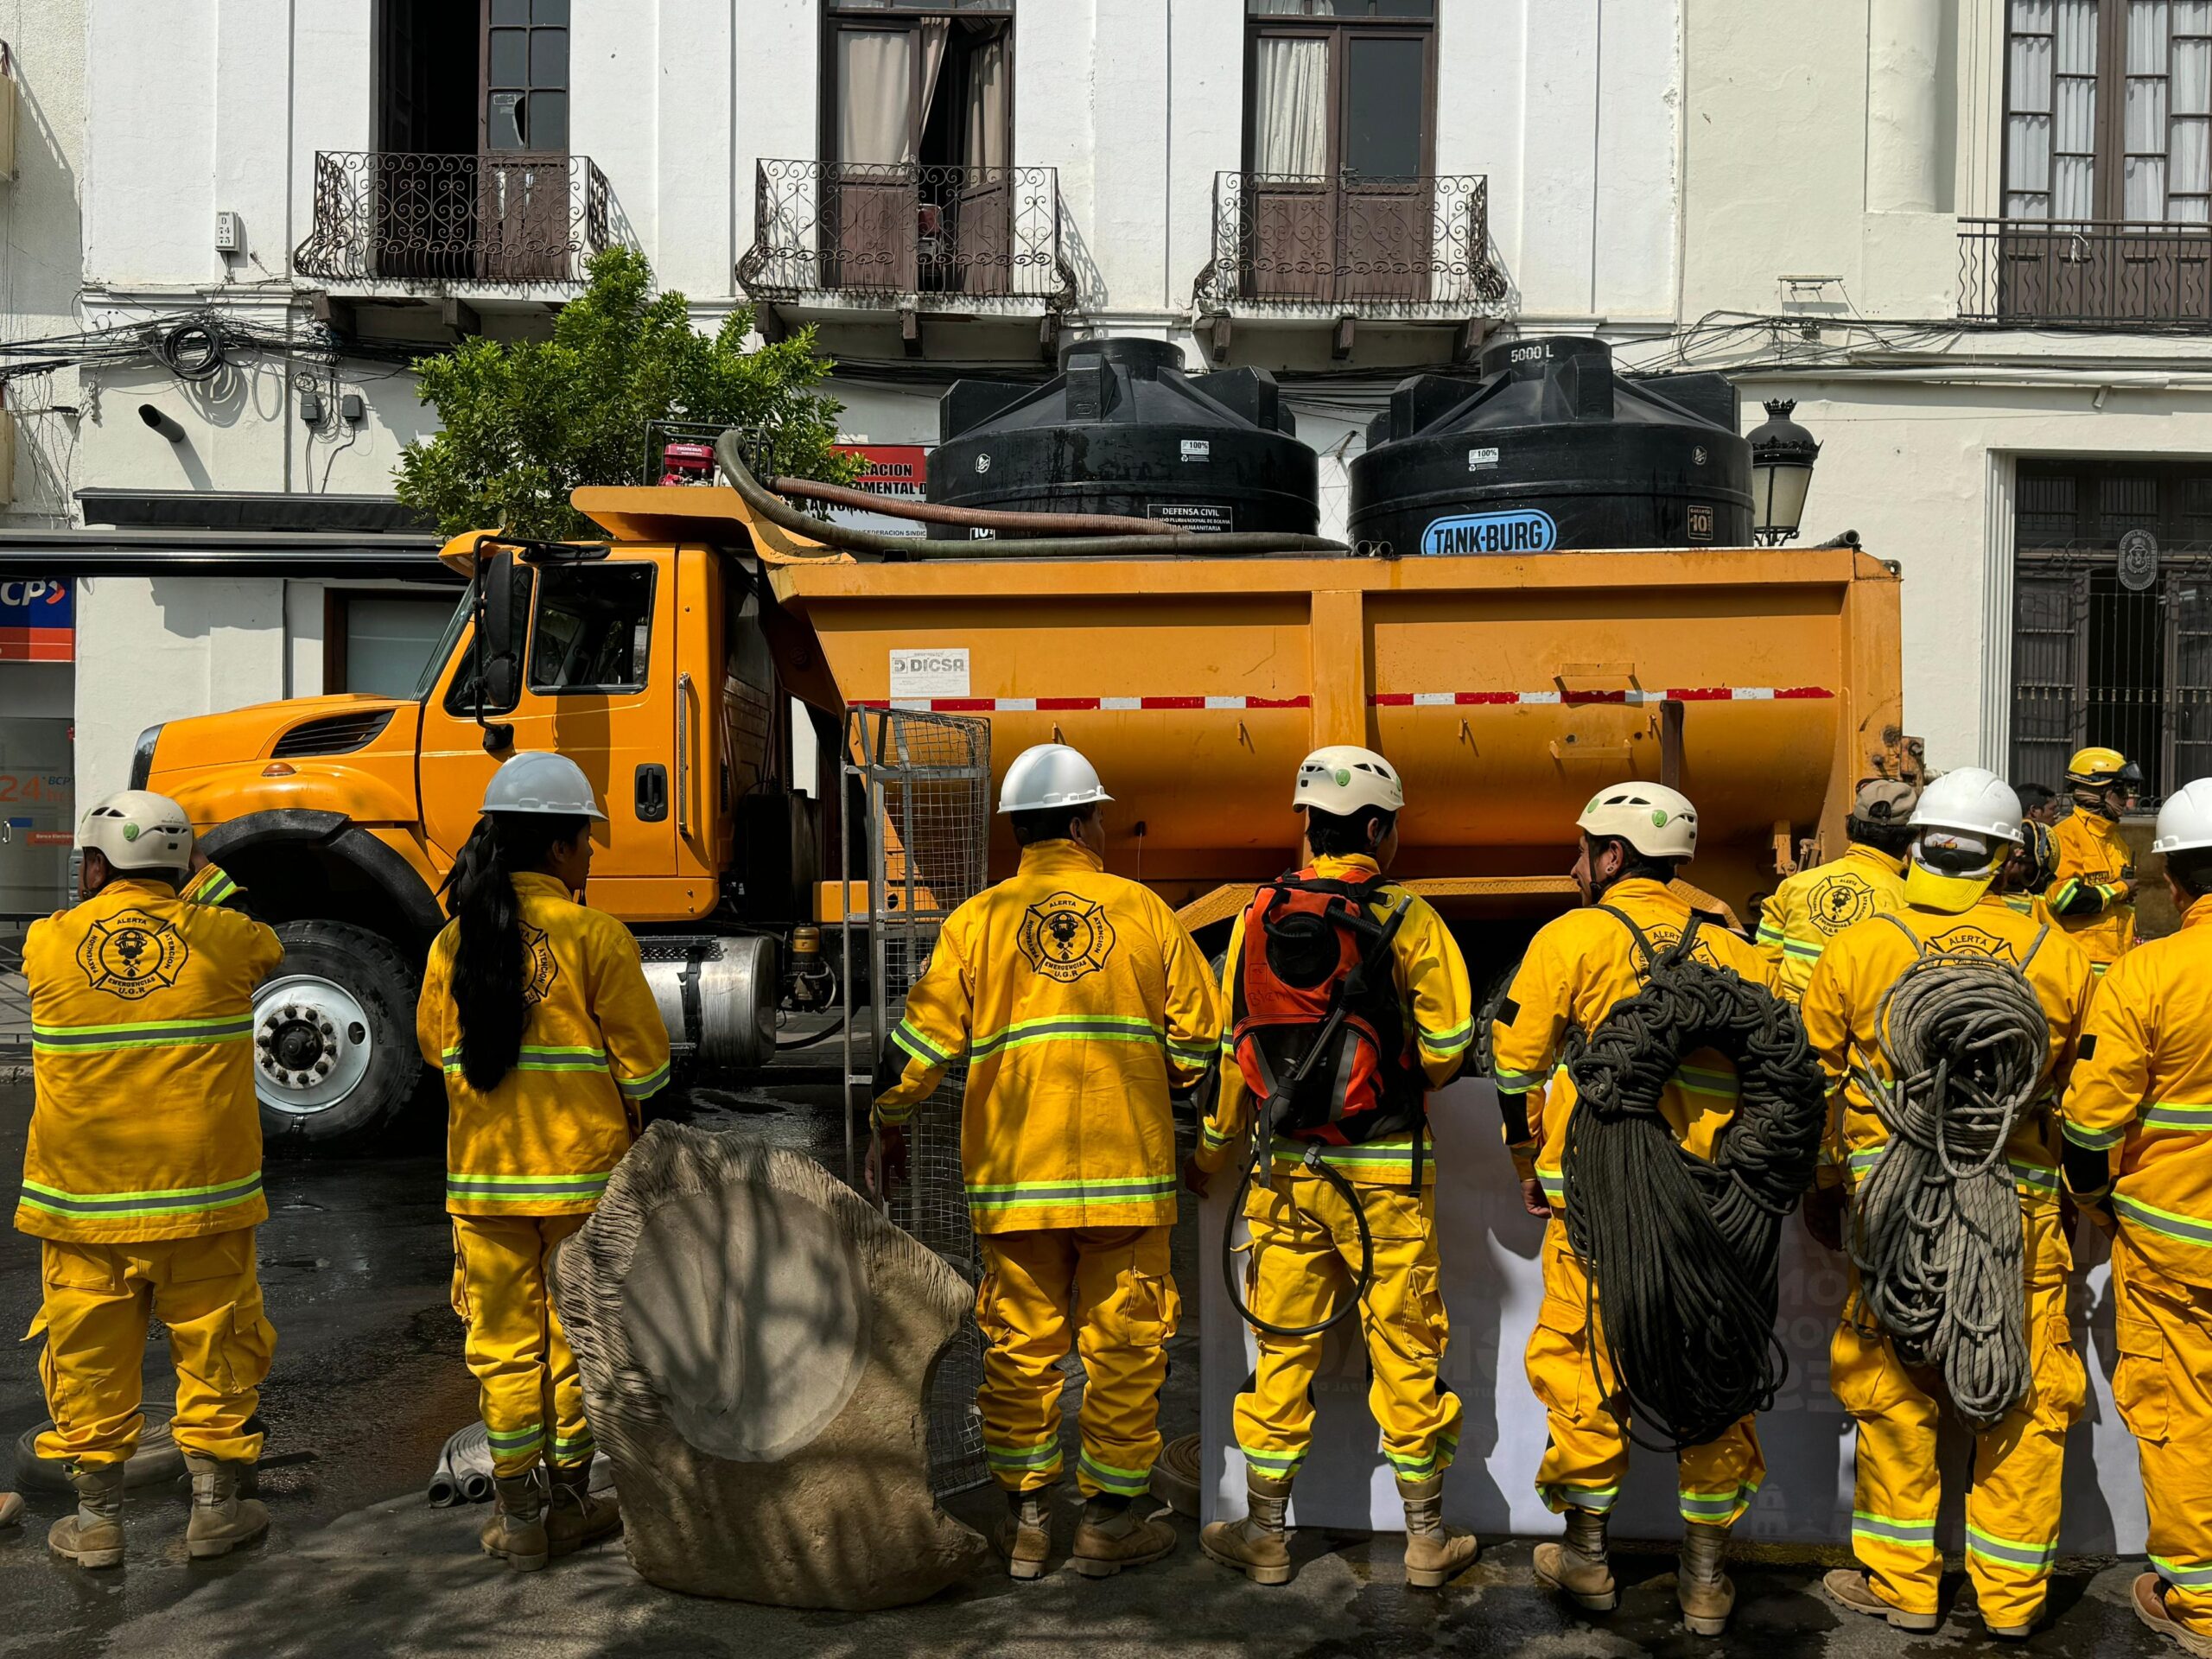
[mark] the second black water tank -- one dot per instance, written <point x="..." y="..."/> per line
<point x="1123" y="430"/>
<point x="1550" y="449"/>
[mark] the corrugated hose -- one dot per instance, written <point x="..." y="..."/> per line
<point x="1937" y="1233"/>
<point x="1683" y="1251"/>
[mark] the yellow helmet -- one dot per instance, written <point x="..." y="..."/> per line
<point x="2101" y="768"/>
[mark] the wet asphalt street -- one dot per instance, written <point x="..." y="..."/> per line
<point x="368" y="1383"/>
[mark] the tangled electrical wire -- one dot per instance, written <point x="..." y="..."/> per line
<point x="1937" y="1234"/>
<point x="1681" y="1251"/>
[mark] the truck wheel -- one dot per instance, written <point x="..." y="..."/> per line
<point x="334" y="1035"/>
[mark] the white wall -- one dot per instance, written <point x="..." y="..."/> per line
<point x="40" y="244"/>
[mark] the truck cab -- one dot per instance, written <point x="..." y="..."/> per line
<point x="645" y="659"/>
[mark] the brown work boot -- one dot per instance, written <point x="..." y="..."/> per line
<point x="1847" y="1586"/>
<point x="11" y="1508"/>
<point x="1576" y="1565"/>
<point x="1024" y="1537"/>
<point x="1433" y="1551"/>
<point x="221" y="1520"/>
<point x="516" y="1532"/>
<point x="1707" y="1596"/>
<point x="574" y="1515"/>
<point x="1258" y="1546"/>
<point x="92" y="1536"/>
<point x="1112" y="1536"/>
<point x="2148" y="1592"/>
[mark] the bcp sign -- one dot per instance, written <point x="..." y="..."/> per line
<point x="38" y="620"/>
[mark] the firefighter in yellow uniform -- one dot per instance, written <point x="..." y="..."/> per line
<point x="1969" y="821"/>
<point x="143" y="1176"/>
<point x="1305" y="1251"/>
<point x="1077" y="1001"/>
<point x="2138" y="1123"/>
<point x="2028" y="872"/>
<point x="536" y="1009"/>
<point x="1578" y="968"/>
<point x="2093" y="894"/>
<point x="1811" y="908"/>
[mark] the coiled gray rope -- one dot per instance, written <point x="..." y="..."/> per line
<point x="1937" y="1233"/>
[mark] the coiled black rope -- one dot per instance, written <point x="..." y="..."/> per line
<point x="1682" y="1252"/>
<point x="1937" y="1233"/>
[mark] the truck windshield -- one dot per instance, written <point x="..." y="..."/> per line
<point x="447" y="640"/>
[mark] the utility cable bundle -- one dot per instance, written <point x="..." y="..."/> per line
<point x="1683" y="1252"/>
<point x="1938" y="1235"/>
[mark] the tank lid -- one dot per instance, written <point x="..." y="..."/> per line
<point x="1557" y="380"/>
<point x="1127" y="380"/>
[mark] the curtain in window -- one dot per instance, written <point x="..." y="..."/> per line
<point x="2143" y="176"/>
<point x="2189" y="183"/>
<point x="933" y="34"/>
<point x="987" y="92"/>
<point x="2073" y="172"/>
<point x="1290" y="112"/>
<point x="876" y="118"/>
<point x="2027" y="170"/>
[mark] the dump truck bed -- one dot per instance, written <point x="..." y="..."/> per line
<point x="1763" y="682"/>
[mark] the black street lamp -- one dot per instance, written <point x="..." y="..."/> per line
<point x="1783" y="454"/>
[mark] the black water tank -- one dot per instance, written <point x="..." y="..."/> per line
<point x="1550" y="449"/>
<point x="1124" y="430"/>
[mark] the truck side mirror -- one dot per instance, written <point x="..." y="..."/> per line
<point x="497" y="646"/>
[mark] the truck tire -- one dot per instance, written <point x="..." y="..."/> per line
<point x="334" y="1034"/>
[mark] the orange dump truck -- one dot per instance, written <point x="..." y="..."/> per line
<point x="667" y="662"/>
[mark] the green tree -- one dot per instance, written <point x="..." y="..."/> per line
<point x="526" y="422"/>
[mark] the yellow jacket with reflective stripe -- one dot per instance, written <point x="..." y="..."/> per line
<point x="1075" y="996"/>
<point x="1812" y="907"/>
<point x="145" y="1125"/>
<point x="1439" y="1002"/>
<point x="2092" y="855"/>
<point x="1843" y="1002"/>
<point x="1577" y="967"/>
<point x="543" y="1142"/>
<point x="2143" y="1091"/>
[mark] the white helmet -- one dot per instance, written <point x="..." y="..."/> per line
<point x="1049" y="775"/>
<point x="1658" y="822"/>
<point x="1343" y="777"/>
<point x="1971" y="801"/>
<point x="536" y="781"/>
<point x="138" y="830"/>
<point x="2185" y="820"/>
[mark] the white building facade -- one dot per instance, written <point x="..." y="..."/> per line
<point x="1969" y="239"/>
<point x="1958" y="233"/>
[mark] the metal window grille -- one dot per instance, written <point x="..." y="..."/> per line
<point x="917" y="805"/>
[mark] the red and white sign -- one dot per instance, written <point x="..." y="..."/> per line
<point x="899" y="471"/>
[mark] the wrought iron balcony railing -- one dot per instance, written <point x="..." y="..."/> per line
<point x="899" y="230"/>
<point x="409" y="218"/>
<point x="2086" y="275"/>
<point x="1346" y="243"/>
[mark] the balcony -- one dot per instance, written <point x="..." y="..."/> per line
<point x="1312" y="244"/>
<point x="2086" y="275"/>
<point x="414" y="222"/>
<point x="903" y="238"/>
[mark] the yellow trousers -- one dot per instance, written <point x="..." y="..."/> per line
<point x="98" y="1299"/>
<point x="2163" y="1386"/>
<point x="2013" y="1505"/>
<point x="1107" y="1289"/>
<point x="1305" y="1260"/>
<point x="1587" y="1456"/>
<point x="525" y="1376"/>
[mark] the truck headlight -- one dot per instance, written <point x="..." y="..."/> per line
<point x="141" y="758"/>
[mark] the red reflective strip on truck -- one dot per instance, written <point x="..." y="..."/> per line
<point x="1379" y="700"/>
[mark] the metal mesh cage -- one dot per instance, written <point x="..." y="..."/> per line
<point x="925" y="797"/>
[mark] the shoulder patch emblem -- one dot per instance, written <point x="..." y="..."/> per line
<point x="1837" y="901"/>
<point x="539" y="970"/>
<point x="1065" y="936"/>
<point x="131" y="954"/>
